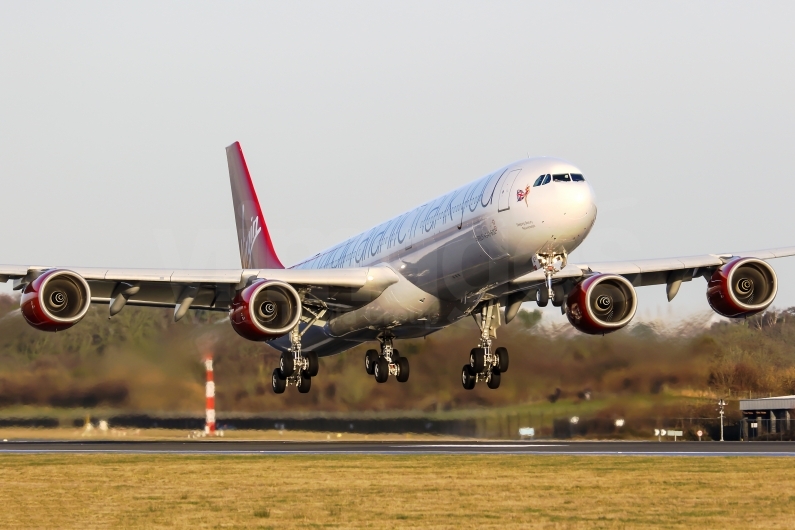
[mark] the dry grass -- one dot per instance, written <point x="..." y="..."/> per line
<point x="136" y="435"/>
<point x="91" y="491"/>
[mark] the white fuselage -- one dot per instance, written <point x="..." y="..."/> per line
<point x="448" y="252"/>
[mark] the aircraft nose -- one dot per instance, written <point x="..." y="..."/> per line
<point x="578" y="200"/>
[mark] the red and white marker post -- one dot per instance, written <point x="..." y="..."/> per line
<point x="209" y="427"/>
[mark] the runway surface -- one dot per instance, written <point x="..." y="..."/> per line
<point x="265" y="448"/>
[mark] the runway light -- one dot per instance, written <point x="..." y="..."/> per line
<point x="575" y="420"/>
<point x="620" y="422"/>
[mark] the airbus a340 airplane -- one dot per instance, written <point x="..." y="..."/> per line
<point x="496" y="242"/>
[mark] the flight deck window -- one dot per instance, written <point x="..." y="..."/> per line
<point x="547" y="179"/>
<point x="538" y="181"/>
<point x="561" y="178"/>
<point x="576" y="177"/>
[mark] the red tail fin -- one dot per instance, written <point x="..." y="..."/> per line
<point x="256" y="248"/>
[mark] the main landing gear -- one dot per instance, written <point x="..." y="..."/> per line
<point x="295" y="367"/>
<point x="485" y="363"/>
<point x="388" y="362"/>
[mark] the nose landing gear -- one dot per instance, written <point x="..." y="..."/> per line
<point x="485" y="363"/>
<point x="387" y="362"/>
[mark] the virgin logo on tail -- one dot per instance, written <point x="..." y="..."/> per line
<point x="249" y="236"/>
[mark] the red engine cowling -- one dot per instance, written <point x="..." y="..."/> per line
<point x="742" y="287"/>
<point x="265" y="310"/>
<point x="602" y="303"/>
<point x="56" y="300"/>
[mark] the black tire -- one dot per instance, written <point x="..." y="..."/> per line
<point x="542" y="296"/>
<point x="287" y="363"/>
<point x="502" y="359"/>
<point x="403" y="370"/>
<point x="278" y="381"/>
<point x="313" y="364"/>
<point x="477" y="359"/>
<point x="557" y="290"/>
<point x="370" y="358"/>
<point x="468" y="377"/>
<point x="395" y="355"/>
<point x="494" y="380"/>
<point x="304" y="383"/>
<point x="381" y="370"/>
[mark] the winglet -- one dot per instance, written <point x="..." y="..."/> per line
<point x="256" y="247"/>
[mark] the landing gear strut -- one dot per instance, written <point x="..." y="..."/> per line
<point x="485" y="363"/>
<point x="387" y="362"/>
<point x="296" y="367"/>
<point x="546" y="261"/>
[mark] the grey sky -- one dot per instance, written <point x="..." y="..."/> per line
<point x="114" y="118"/>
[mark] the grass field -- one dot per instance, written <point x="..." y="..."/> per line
<point x="139" y="435"/>
<point x="101" y="491"/>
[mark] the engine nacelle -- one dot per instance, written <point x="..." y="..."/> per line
<point x="265" y="310"/>
<point x="602" y="303"/>
<point x="56" y="300"/>
<point x="742" y="287"/>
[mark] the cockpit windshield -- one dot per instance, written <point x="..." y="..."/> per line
<point x="567" y="177"/>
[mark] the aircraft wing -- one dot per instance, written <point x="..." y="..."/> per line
<point x="337" y="289"/>
<point x="666" y="271"/>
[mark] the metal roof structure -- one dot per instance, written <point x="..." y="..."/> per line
<point x="770" y="403"/>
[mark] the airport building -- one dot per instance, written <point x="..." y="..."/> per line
<point x="767" y="416"/>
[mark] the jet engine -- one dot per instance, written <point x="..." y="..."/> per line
<point x="742" y="287"/>
<point x="602" y="303"/>
<point x="265" y="310"/>
<point x="56" y="300"/>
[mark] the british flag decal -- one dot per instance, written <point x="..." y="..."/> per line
<point x="521" y="195"/>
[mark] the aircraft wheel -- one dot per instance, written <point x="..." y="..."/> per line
<point x="542" y="296"/>
<point x="403" y="370"/>
<point x="381" y="371"/>
<point x="494" y="380"/>
<point x="370" y="358"/>
<point x="468" y="377"/>
<point x="557" y="290"/>
<point x="287" y="363"/>
<point x="477" y="359"/>
<point x="502" y="358"/>
<point x="304" y="383"/>
<point x="395" y="355"/>
<point x="278" y="381"/>
<point x="314" y="364"/>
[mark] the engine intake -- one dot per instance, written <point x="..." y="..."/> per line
<point x="265" y="310"/>
<point x="602" y="303"/>
<point x="742" y="287"/>
<point x="56" y="300"/>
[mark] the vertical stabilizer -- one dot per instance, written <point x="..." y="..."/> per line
<point x="256" y="248"/>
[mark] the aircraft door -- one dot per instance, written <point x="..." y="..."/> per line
<point x="505" y="192"/>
